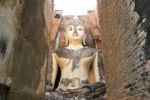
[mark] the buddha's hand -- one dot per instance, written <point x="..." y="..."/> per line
<point x="49" y="86"/>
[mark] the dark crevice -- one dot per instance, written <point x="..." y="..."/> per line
<point x="57" y="78"/>
<point x="4" y="92"/>
<point x="143" y="9"/>
<point x="147" y="45"/>
<point x="3" y="47"/>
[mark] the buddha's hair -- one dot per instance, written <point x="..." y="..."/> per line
<point x="75" y="22"/>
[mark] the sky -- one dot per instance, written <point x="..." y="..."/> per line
<point x="75" y="7"/>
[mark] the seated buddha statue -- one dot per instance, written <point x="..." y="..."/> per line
<point x="80" y="65"/>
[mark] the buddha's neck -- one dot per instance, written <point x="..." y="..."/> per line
<point x="75" y="45"/>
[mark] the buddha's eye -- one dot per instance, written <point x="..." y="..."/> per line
<point x="70" y="29"/>
<point x="80" y="29"/>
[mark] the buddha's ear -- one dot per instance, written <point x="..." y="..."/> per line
<point x="84" y="40"/>
<point x="66" y="40"/>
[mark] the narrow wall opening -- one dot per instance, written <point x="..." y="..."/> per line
<point x="62" y="17"/>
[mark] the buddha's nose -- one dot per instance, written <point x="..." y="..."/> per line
<point x="75" y="31"/>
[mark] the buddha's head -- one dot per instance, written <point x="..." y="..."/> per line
<point x="75" y="31"/>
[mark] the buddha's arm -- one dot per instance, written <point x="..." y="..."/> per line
<point x="55" y="68"/>
<point x="97" y="65"/>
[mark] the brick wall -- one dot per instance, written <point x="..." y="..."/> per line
<point x="124" y="33"/>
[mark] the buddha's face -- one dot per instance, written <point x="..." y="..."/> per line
<point x="75" y="32"/>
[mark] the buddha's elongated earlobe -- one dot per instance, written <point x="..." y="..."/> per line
<point x="66" y="40"/>
<point x="84" y="40"/>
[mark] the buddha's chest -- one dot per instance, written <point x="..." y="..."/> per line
<point x="75" y="58"/>
<point x="75" y="61"/>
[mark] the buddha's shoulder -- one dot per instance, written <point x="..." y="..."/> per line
<point x="89" y="49"/>
<point x="61" y="52"/>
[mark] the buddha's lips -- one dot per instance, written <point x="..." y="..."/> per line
<point x="75" y="34"/>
